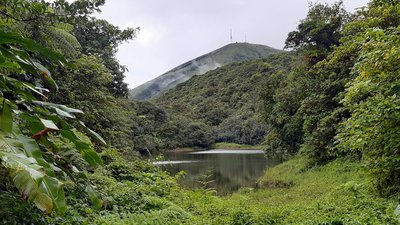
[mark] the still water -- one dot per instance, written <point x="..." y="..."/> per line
<point x="222" y="170"/>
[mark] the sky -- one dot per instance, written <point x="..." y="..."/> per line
<point x="173" y="32"/>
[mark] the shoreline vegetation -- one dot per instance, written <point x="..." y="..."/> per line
<point x="340" y="192"/>
<point x="296" y="192"/>
<point x="293" y="192"/>
<point x="234" y="146"/>
<point x="222" y="146"/>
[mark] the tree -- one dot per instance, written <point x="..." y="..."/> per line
<point x="69" y="29"/>
<point x="305" y="107"/>
<point x="373" y="129"/>
<point x="100" y="38"/>
<point x="319" y="31"/>
<point x="86" y="87"/>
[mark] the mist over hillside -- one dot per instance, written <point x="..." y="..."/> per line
<point x="226" y="102"/>
<point x="235" y="52"/>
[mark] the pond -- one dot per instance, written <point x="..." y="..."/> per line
<point x="222" y="170"/>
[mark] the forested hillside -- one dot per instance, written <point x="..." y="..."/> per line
<point x="70" y="139"/>
<point x="235" y="52"/>
<point x="224" y="103"/>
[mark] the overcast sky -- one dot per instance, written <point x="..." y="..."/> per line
<point x="176" y="31"/>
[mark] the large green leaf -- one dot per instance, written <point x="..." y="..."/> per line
<point x="32" y="150"/>
<point x="61" y="110"/>
<point x="91" y="157"/>
<point x="46" y="75"/>
<point x="30" y="45"/>
<point x="45" y="191"/>
<point x="29" y="189"/>
<point x="33" y="89"/>
<point x="6" y="118"/>
<point x="94" y="197"/>
<point x="68" y="109"/>
<point x="22" y="60"/>
<point x="64" y="113"/>
<point x="49" y="124"/>
<point x="70" y="135"/>
<point x="28" y="176"/>
<point x="85" y="149"/>
<point x="93" y="134"/>
<point x="19" y="161"/>
<point x="55" y="189"/>
<point x="19" y="88"/>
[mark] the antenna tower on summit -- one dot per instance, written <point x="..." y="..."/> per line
<point x="231" y="36"/>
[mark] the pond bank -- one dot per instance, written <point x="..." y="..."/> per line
<point x="337" y="193"/>
<point x="340" y="192"/>
<point x="220" y="145"/>
<point x="234" y="146"/>
<point x="222" y="170"/>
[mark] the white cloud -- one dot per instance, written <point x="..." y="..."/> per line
<point x="175" y="31"/>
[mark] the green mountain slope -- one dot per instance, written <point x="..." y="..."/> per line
<point x="226" y="101"/>
<point x="237" y="52"/>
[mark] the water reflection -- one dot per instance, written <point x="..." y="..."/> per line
<point x="223" y="170"/>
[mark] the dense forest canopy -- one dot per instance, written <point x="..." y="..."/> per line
<point x="70" y="138"/>
<point x="226" y="113"/>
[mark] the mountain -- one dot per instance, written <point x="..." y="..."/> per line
<point x="236" y="52"/>
<point x="225" y="104"/>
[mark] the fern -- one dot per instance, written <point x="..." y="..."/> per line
<point x="59" y="37"/>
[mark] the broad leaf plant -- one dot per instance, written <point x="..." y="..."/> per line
<point x="29" y="126"/>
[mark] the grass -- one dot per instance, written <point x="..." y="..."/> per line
<point x="225" y="145"/>
<point x="340" y="192"/>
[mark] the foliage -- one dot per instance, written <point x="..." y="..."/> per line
<point x="281" y="113"/>
<point x="86" y="87"/>
<point x="306" y="110"/>
<point x="46" y="157"/>
<point x="149" y="119"/>
<point x="231" y="53"/>
<point x="69" y="28"/>
<point x="297" y="106"/>
<point x="28" y="127"/>
<point x="225" y="101"/>
<point x="319" y="31"/>
<point x="100" y="38"/>
<point x="372" y="98"/>
<point x="234" y="146"/>
<point x="138" y="193"/>
<point x="93" y="84"/>
<point x="339" y="192"/>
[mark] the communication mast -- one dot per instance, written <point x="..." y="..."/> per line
<point x="231" y="36"/>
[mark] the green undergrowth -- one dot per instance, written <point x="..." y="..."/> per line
<point x="135" y="192"/>
<point x="295" y="193"/>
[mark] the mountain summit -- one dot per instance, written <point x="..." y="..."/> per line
<point x="235" y="52"/>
